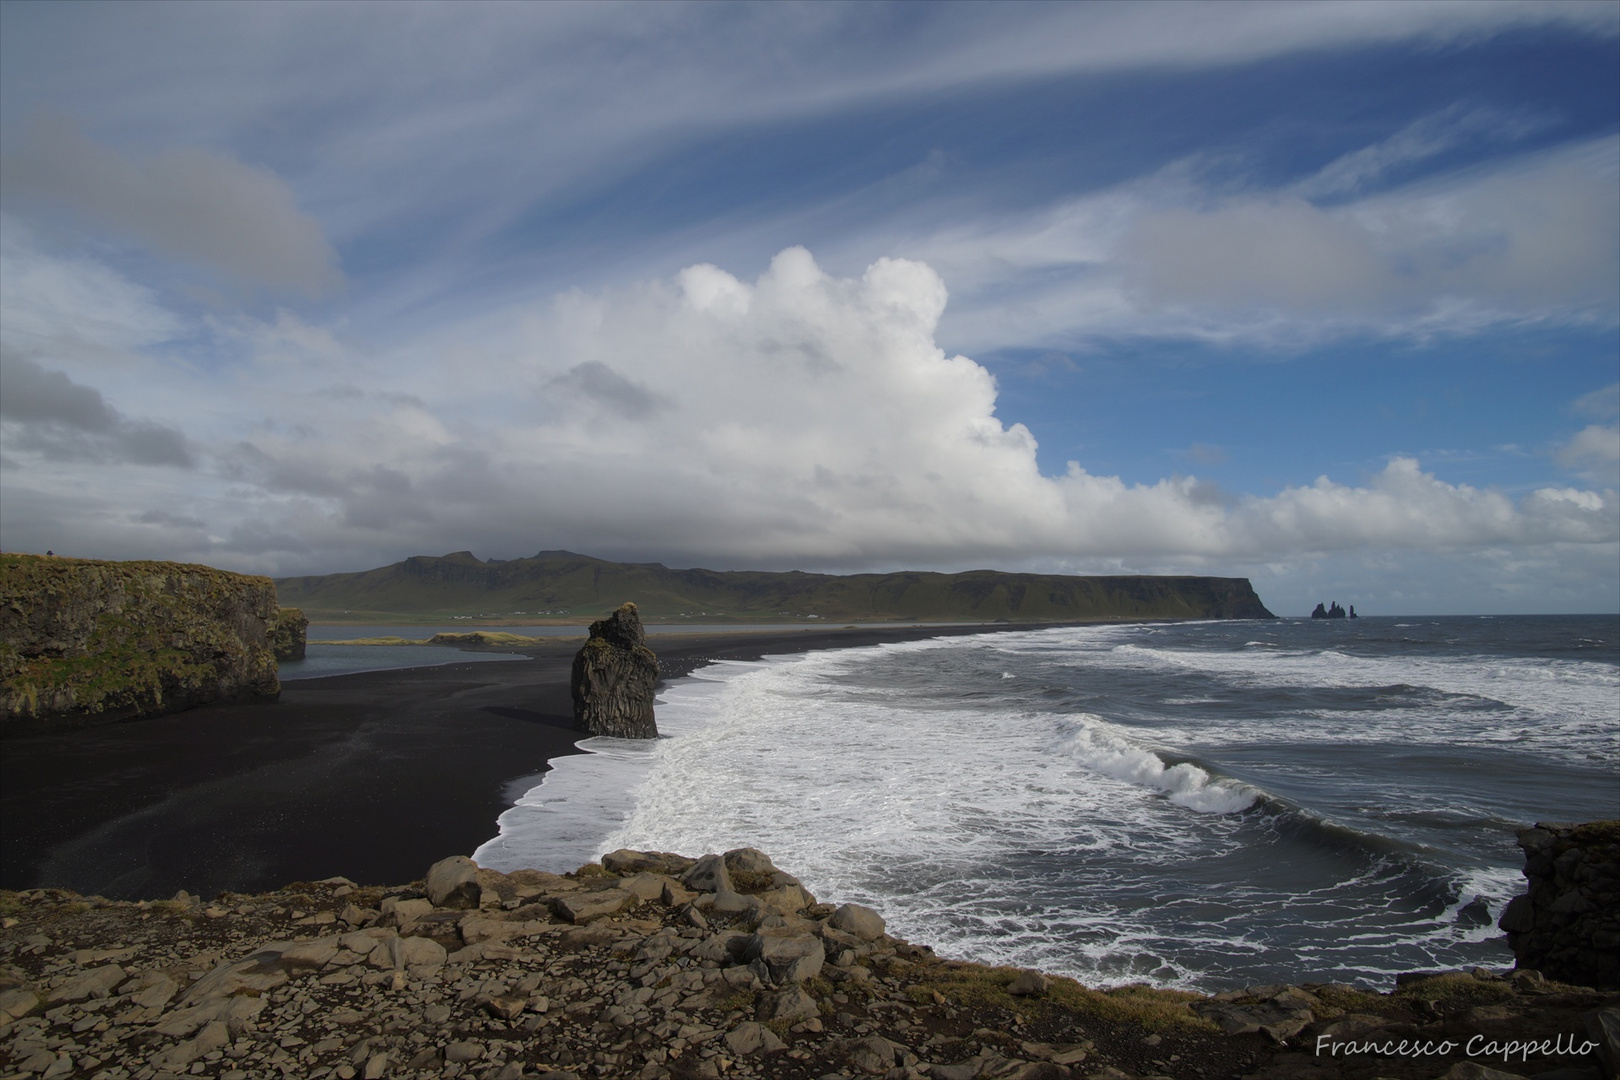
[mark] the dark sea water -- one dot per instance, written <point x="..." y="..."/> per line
<point x="1204" y="805"/>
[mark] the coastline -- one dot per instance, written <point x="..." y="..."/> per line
<point x="363" y="775"/>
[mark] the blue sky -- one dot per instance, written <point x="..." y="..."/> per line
<point x="1322" y="294"/>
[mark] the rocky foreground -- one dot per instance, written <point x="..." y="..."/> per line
<point x="658" y="966"/>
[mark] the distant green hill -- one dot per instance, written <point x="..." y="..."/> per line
<point x="563" y="585"/>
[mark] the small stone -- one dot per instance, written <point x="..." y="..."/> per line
<point x="753" y="1039"/>
<point x="463" y="1051"/>
<point x="506" y="1008"/>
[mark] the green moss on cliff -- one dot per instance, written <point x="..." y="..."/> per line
<point x="287" y="634"/>
<point x="85" y="641"/>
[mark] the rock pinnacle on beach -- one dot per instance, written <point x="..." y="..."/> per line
<point x="613" y="678"/>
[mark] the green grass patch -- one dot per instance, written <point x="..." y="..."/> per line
<point x="979" y="987"/>
<point x="1455" y="988"/>
<point x="389" y="640"/>
<point x="742" y="1000"/>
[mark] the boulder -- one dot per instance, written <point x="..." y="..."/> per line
<point x="792" y="1005"/>
<point x="453" y="883"/>
<point x="863" y="922"/>
<point x="613" y="679"/>
<point x="1028" y="984"/>
<point x="583" y="907"/>
<point x="781" y="959"/>
<point x="708" y="874"/>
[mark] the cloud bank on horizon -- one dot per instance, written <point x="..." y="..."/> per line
<point x="1091" y="289"/>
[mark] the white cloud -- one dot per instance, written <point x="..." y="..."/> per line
<point x="1604" y="402"/>
<point x="64" y="307"/>
<point x="186" y="202"/>
<point x="1529" y="240"/>
<point x="1424" y="138"/>
<point x="1596" y="448"/>
<point x="799" y="420"/>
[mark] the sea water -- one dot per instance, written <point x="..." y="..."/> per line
<point x="1200" y="805"/>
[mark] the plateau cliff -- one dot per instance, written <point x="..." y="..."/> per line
<point x="84" y="641"/>
<point x="561" y="584"/>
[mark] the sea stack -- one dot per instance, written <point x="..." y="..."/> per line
<point x="613" y="679"/>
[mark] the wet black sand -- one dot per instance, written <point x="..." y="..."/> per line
<point x="372" y="776"/>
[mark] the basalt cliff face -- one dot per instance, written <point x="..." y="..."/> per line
<point x="287" y="634"/>
<point x="613" y="679"/>
<point x="1567" y="924"/>
<point x="84" y="641"/>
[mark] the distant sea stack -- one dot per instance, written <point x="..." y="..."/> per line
<point x="1334" y="612"/>
<point x="613" y="679"/>
<point x="83" y="641"/>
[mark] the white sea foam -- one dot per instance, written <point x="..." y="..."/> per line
<point x="961" y="786"/>
<point x="1104" y="749"/>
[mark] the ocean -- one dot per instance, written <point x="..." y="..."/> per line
<point x="1199" y="805"/>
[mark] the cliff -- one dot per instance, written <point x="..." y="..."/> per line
<point x="661" y="967"/>
<point x="84" y="641"/>
<point x="287" y="634"/>
<point x="1567" y="923"/>
<point x="561" y="584"/>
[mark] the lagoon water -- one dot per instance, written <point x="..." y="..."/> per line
<point x="1203" y="805"/>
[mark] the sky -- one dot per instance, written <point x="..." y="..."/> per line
<point x="1323" y="294"/>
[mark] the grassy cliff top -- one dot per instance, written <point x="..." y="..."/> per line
<point x="563" y="587"/>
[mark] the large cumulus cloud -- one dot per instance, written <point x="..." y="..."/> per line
<point x="799" y="420"/>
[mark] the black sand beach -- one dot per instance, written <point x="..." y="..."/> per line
<point x="371" y="776"/>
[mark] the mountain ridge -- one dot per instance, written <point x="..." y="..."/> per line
<point x="567" y="586"/>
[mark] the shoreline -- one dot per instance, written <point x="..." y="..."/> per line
<point x="363" y="774"/>
<point x="670" y="967"/>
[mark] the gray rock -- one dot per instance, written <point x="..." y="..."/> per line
<point x="613" y="678"/>
<point x="1471" y="1070"/>
<point x="463" y="1051"/>
<point x="709" y="875"/>
<point x="873" y="1054"/>
<point x="726" y="947"/>
<point x="1028" y="984"/>
<point x="782" y="959"/>
<point x="16" y="1003"/>
<point x="861" y="921"/>
<point x="1276" y="1019"/>
<point x="749" y="861"/>
<point x="645" y="886"/>
<point x="1603" y="1027"/>
<point x="583" y="907"/>
<point x="95" y="983"/>
<point x="727" y="902"/>
<point x="453" y="883"/>
<point x="750" y="1038"/>
<point x="793" y="1004"/>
